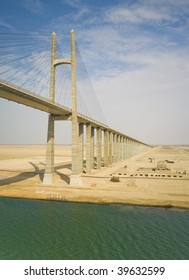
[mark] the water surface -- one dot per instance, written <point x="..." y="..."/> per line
<point x="32" y="229"/>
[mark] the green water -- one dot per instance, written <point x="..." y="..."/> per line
<point x="60" y="230"/>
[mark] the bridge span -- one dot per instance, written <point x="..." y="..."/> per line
<point x="104" y="145"/>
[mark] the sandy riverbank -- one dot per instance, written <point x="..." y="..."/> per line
<point x="22" y="168"/>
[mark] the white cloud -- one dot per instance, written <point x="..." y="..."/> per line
<point x="76" y="4"/>
<point x="152" y="12"/>
<point x="4" y="23"/>
<point x="136" y="14"/>
<point x="149" y="103"/>
<point x="34" y="6"/>
<point x="79" y="6"/>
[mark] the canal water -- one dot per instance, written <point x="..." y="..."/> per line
<point x="32" y="229"/>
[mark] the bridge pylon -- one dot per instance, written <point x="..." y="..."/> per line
<point x="49" y="168"/>
<point x="75" y="179"/>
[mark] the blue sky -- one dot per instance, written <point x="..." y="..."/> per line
<point x="136" y="54"/>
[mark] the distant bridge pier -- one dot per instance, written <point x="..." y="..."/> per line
<point x="128" y="143"/>
<point x="131" y="148"/>
<point x="88" y="148"/>
<point x="118" y="147"/>
<point x="110" y="148"/>
<point x="122" y="147"/>
<point x="125" y="147"/>
<point x="81" y="146"/>
<point x="115" y="147"/>
<point x="134" y="148"/>
<point x="106" y="147"/>
<point x="99" y="147"/>
<point x="138" y="148"/>
<point x="92" y="147"/>
<point x="93" y="151"/>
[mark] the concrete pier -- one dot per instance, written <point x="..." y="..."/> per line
<point x="75" y="178"/>
<point x="81" y="146"/>
<point x="99" y="148"/>
<point x="88" y="148"/>
<point x="106" y="147"/>
<point x="114" y="147"/>
<point x="92" y="148"/>
<point x="110" y="148"/>
<point x="49" y="168"/>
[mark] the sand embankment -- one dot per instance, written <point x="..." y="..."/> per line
<point x="141" y="183"/>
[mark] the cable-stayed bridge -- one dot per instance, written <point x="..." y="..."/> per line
<point x="42" y="75"/>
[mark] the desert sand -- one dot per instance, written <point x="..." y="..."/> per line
<point x="159" y="177"/>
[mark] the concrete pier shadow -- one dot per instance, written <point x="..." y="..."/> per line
<point x="23" y="176"/>
<point x="18" y="178"/>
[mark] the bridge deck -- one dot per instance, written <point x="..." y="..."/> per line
<point x="19" y="95"/>
<point x="16" y="94"/>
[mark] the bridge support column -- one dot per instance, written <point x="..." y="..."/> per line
<point x="75" y="178"/>
<point x="136" y="147"/>
<point x="49" y="168"/>
<point x="132" y="148"/>
<point x="118" y="148"/>
<point x="140" y="148"/>
<point x="106" y="145"/>
<point x="92" y="147"/>
<point x="114" y="147"/>
<point x="111" y="148"/>
<point x="124" y="147"/>
<point x="81" y="146"/>
<point x="128" y="148"/>
<point x="88" y="148"/>
<point x="121" y="147"/>
<point x="99" y="147"/>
